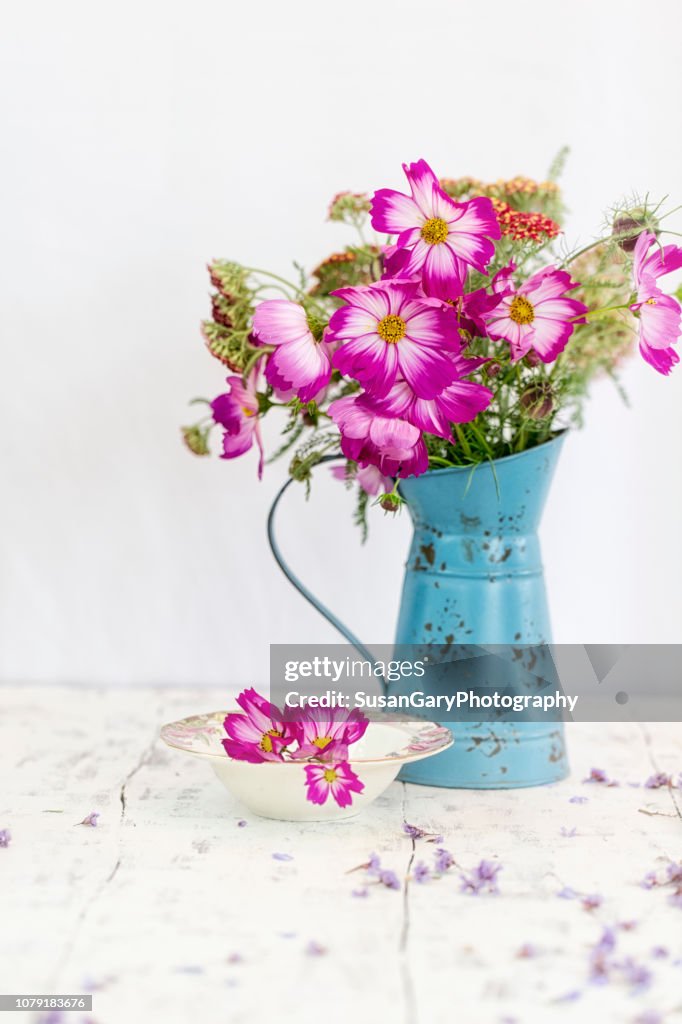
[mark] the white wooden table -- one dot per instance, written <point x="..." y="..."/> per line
<point x="171" y="911"/>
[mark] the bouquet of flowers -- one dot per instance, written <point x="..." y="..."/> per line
<point x="456" y="334"/>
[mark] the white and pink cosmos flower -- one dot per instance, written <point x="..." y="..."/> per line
<point x="370" y="478"/>
<point x="237" y="412"/>
<point x="260" y="733"/>
<point x="459" y="402"/>
<point x="387" y="332"/>
<point x="369" y="438"/>
<point x="338" y="779"/>
<point x="537" y="315"/>
<point x="659" y="314"/>
<point x="443" y="238"/>
<point x="326" y="733"/>
<point x="300" y="362"/>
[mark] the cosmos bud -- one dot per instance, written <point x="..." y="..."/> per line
<point x="538" y="401"/>
<point x="196" y="439"/>
<point x="390" y="502"/>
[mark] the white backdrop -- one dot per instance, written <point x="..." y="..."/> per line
<point x="140" y="140"/>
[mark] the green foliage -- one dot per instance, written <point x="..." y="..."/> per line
<point x="355" y="265"/>
<point x="360" y="513"/>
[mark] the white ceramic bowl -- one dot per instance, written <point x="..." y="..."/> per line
<point x="277" y="789"/>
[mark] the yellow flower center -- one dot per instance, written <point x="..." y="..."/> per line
<point x="248" y="412"/>
<point x="391" y="329"/>
<point x="521" y="310"/>
<point x="322" y="741"/>
<point x="266" y="740"/>
<point x="434" y="231"/>
<point x="651" y="302"/>
<point x="330" y="775"/>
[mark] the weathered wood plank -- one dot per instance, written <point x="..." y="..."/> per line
<point x="169" y="908"/>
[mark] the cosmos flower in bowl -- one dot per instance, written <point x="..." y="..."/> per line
<point x="317" y="765"/>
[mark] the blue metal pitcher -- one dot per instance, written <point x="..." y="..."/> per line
<point x="474" y="576"/>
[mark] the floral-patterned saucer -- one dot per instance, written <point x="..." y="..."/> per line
<point x="281" y="789"/>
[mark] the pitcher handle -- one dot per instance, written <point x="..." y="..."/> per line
<point x="301" y="587"/>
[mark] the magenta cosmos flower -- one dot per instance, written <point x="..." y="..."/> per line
<point x="387" y="331"/>
<point x="338" y="779"/>
<point x="237" y="412"/>
<point x="537" y="315"/>
<point x="659" y="314"/>
<point x="371" y="479"/>
<point x="299" y="362"/>
<point x="459" y="402"/>
<point x="444" y="238"/>
<point x="392" y="444"/>
<point x="260" y="734"/>
<point x="326" y="733"/>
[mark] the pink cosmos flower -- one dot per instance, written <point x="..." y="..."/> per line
<point x="338" y="779"/>
<point x="237" y="412"/>
<point x="260" y="734"/>
<point x="387" y="330"/>
<point x="299" y="362"/>
<point x="444" y="238"/>
<point x="537" y="315"/>
<point x="659" y="314"/>
<point x="392" y="444"/>
<point x="326" y="733"/>
<point x="459" y="402"/>
<point x="371" y="479"/>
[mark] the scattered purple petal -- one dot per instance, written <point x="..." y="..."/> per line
<point x="235" y="958"/>
<point x="527" y="951"/>
<point x="5" y="837"/>
<point x="360" y="894"/>
<point x="606" y="968"/>
<point x="421" y="872"/>
<point x="592" y="901"/>
<point x="282" y="856"/>
<point x="389" y="879"/>
<point x="374" y="864"/>
<point x="91" y="819"/>
<point x="567" y="893"/>
<point x="607" y="941"/>
<point x="658" y="780"/>
<point x="482" y="879"/>
<point x="636" y="975"/>
<point x="413" y="832"/>
<point x="315" y="949"/>
<point x="659" y="952"/>
<point x="578" y="800"/>
<point x="570" y="997"/>
<point x="675" y="900"/>
<point x="627" y="926"/>
<point x="568" y="833"/>
<point x="443" y="860"/>
<point x="649" y="881"/>
<point x="674" y="872"/>
<point x="648" y="1017"/>
<point x="600" y="776"/>
<point x="242" y="824"/>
